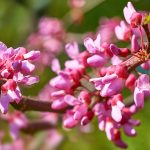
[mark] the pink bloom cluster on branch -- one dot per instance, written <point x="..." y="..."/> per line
<point x="98" y="92"/>
<point x="15" y="69"/>
<point x="91" y="83"/>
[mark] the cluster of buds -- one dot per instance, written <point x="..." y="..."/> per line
<point x="92" y="82"/>
<point x="15" y="68"/>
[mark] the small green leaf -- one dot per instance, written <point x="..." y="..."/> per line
<point x="146" y="19"/>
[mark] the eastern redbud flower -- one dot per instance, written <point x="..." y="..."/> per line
<point x="142" y="89"/>
<point x="15" y="68"/>
<point x="130" y="82"/>
<point x="135" y="47"/>
<point x="146" y="65"/>
<point x="91" y="83"/>
<point x="132" y="16"/>
<point x="123" y="31"/>
<point x="98" y="57"/>
<point x="123" y="52"/>
<point x="108" y="85"/>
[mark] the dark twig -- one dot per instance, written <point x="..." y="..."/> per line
<point x="145" y="27"/>
<point x="36" y="126"/>
<point x="28" y="104"/>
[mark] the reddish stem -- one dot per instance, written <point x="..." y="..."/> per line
<point x="28" y="104"/>
<point x="146" y="29"/>
<point x="36" y="126"/>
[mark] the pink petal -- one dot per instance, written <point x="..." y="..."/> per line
<point x="89" y="44"/>
<point x="31" y="80"/>
<point x="80" y="112"/>
<point x="120" y="143"/>
<point x="139" y="98"/>
<point x="112" y="88"/>
<point x="146" y="65"/>
<point x="129" y="130"/>
<point x="4" y="102"/>
<point x="97" y="82"/>
<point x="15" y="95"/>
<point x="108" y="78"/>
<point x="109" y="130"/>
<point x="27" y="67"/>
<point x="32" y="55"/>
<point x="96" y="61"/>
<point x="72" y="64"/>
<point x="71" y="100"/>
<point x="116" y="113"/>
<point x="114" y="49"/>
<point x="59" y="104"/>
<point x="70" y="122"/>
<point x="97" y="42"/>
<point x="72" y="50"/>
<point x="55" y="66"/>
<point x="14" y="131"/>
<point x="134" y="44"/>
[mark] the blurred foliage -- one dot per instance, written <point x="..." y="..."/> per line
<point x="18" y="18"/>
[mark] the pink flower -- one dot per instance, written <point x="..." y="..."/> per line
<point x="15" y="68"/>
<point x="132" y="17"/>
<point x="10" y="92"/>
<point x="123" y="52"/>
<point x="135" y="47"/>
<point x="130" y="82"/>
<point x="108" y="85"/>
<point x="93" y="46"/>
<point x="123" y="32"/>
<point x="117" y="107"/>
<point x="97" y="58"/>
<point x="72" y="50"/>
<point x="142" y="89"/>
<point x="62" y="81"/>
<point x="146" y="65"/>
<point x="68" y="120"/>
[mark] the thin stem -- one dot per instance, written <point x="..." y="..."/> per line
<point x="132" y="63"/>
<point x="142" y="41"/>
<point x="146" y="29"/>
<point x="36" y="126"/>
<point x="28" y="104"/>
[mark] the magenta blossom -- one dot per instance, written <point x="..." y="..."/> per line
<point x="142" y="89"/>
<point x="98" y="57"/>
<point x="108" y="85"/>
<point x="132" y="16"/>
<point x="15" y="68"/>
<point x="123" y="32"/>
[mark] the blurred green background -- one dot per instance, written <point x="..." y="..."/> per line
<point x="18" y="18"/>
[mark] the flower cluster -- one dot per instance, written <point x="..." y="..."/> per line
<point x="91" y="84"/>
<point x="92" y="81"/>
<point x="49" y="39"/>
<point x="15" y="68"/>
